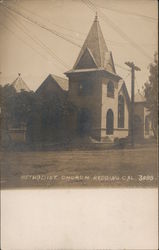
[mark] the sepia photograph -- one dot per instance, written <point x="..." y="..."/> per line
<point x="79" y="124"/>
<point x="78" y="93"/>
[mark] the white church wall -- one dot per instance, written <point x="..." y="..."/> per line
<point x="112" y="103"/>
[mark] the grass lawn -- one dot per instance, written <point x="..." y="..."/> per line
<point x="102" y="168"/>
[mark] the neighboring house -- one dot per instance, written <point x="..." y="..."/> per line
<point x="19" y="84"/>
<point x="142" y="121"/>
<point x="18" y="134"/>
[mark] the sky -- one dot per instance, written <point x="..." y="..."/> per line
<point x="129" y="28"/>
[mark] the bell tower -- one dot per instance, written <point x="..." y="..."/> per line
<point x="88" y="78"/>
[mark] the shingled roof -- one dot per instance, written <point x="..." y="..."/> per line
<point x="63" y="82"/>
<point x="52" y="83"/>
<point x="19" y="84"/>
<point x="94" y="52"/>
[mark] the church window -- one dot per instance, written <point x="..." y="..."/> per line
<point x="120" y="111"/>
<point x="109" y="122"/>
<point x="110" y="89"/>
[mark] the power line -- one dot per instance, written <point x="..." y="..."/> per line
<point x="148" y="18"/>
<point x="121" y="67"/>
<point x="35" y="14"/>
<point x="35" y="39"/>
<point x="34" y="22"/>
<point x="127" y="75"/>
<point x="115" y="27"/>
<point x="22" y="40"/>
<point x="41" y="25"/>
<point x="68" y="29"/>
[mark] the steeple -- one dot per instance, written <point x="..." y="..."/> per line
<point x="96" y="17"/>
<point x="94" y="52"/>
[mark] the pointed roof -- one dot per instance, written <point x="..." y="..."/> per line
<point x="19" y="84"/>
<point x="95" y="51"/>
<point x="51" y="84"/>
<point x="62" y="82"/>
<point x="122" y="87"/>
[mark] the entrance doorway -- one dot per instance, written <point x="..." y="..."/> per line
<point x="84" y="122"/>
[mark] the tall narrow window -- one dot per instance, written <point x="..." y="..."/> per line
<point x="109" y="122"/>
<point x="110" y="89"/>
<point x="120" y="111"/>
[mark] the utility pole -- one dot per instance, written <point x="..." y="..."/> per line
<point x="133" y="68"/>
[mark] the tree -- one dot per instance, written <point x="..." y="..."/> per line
<point x="15" y="107"/>
<point x="151" y="94"/>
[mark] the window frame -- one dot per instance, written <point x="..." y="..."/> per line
<point x="110" y="89"/>
<point x="121" y="112"/>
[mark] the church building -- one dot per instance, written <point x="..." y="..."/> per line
<point x="99" y="94"/>
<point x="98" y="91"/>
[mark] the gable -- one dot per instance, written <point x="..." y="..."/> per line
<point x="95" y="43"/>
<point x="62" y="82"/>
<point x="19" y="85"/>
<point x="86" y="61"/>
<point x="109" y="63"/>
<point x="50" y="87"/>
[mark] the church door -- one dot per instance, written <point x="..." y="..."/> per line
<point x="109" y="122"/>
<point x="84" y="122"/>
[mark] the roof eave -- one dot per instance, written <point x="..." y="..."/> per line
<point x="90" y="71"/>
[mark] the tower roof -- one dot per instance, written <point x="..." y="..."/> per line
<point x="19" y="84"/>
<point x="94" y="52"/>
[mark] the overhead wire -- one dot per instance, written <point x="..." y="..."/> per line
<point x="60" y="35"/>
<point x="126" y="76"/>
<point x="43" y="26"/>
<point x="22" y="40"/>
<point x="77" y="32"/>
<point x="68" y="29"/>
<point x="94" y="8"/>
<point x="147" y="18"/>
<point x="44" y="18"/>
<point x="121" y="67"/>
<point x="35" y="39"/>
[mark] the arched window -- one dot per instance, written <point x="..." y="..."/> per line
<point x="109" y="122"/>
<point x="120" y="111"/>
<point x="110" y="89"/>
